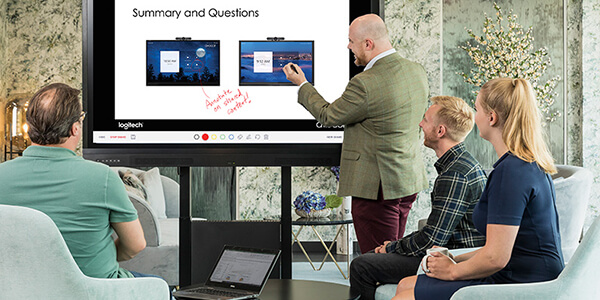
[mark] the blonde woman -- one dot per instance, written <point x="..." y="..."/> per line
<point x="516" y="212"/>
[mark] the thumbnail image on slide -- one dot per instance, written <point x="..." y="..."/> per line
<point x="183" y="62"/>
<point x="261" y="62"/>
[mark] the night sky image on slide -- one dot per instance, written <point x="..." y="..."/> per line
<point x="261" y="62"/>
<point x="182" y="63"/>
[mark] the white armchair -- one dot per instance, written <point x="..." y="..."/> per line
<point x="572" y="185"/>
<point x="35" y="263"/>
<point x="160" y="222"/>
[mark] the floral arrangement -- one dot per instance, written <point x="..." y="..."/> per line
<point x="508" y="52"/>
<point x="310" y="201"/>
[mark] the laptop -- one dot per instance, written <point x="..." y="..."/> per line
<point x="240" y="273"/>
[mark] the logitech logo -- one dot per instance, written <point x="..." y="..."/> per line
<point x="131" y="125"/>
<point x="319" y="125"/>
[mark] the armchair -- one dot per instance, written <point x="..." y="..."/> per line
<point x="36" y="264"/>
<point x="161" y="228"/>
<point x="572" y="185"/>
<point x="579" y="279"/>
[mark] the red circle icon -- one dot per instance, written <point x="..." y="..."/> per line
<point x="205" y="137"/>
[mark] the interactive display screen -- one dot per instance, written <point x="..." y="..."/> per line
<point x="261" y="62"/>
<point x="195" y="74"/>
<point x="182" y="62"/>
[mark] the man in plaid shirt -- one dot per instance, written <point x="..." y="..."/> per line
<point x="456" y="190"/>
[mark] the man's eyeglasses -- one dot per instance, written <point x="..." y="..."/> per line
<point x="82" y="116"/>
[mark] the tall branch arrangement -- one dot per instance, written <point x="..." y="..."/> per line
<point x="507" y="51"/>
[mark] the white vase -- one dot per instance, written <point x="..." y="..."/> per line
<point x="344" y="240"/>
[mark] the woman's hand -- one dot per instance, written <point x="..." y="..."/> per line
<point x="440" y="266"/>
<point x="449" y="254"/>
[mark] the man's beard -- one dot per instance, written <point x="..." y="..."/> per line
<point x="359" y="62"/>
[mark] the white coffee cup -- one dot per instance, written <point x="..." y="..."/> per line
<point x="442" y="250"/>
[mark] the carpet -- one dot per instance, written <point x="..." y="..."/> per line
<point x="329" y="272"/>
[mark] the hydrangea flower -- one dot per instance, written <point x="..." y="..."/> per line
<point x="336" y="171"/>
<point x="310" y="200"/>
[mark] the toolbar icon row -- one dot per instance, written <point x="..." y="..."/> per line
<point x="232" y="137"/>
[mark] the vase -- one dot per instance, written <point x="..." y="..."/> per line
<point x="344" y="240"/>
<point x="322" y="213"/>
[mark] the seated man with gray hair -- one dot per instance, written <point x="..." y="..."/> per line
<point x="456" y="190"/>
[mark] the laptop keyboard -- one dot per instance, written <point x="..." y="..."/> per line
<point x="211" y="291"/>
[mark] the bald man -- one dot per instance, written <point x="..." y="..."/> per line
<point x="381" y="163"/>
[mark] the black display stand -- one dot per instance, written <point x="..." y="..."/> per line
<point x="185" y="225"/>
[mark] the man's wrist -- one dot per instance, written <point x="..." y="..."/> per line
<point x="391" y="247"/>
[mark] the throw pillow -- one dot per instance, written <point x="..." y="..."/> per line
<point x="133" y="184"/>
<point x="155" y="192"/>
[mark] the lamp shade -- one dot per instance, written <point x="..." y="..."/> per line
<point x="15" y="125"/>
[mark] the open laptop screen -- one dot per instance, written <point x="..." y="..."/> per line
<point x="239" y="267"/>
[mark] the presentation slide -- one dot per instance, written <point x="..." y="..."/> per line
<point x="210" y="60"/>
<point x="210" y="72"/>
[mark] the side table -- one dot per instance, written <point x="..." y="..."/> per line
<point x="313" y="223"/>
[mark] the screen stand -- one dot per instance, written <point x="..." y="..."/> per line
<point x="286" y="222"/>
<point x="185" y="225"/>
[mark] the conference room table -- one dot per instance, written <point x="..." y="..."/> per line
<point x="294" y="289"/>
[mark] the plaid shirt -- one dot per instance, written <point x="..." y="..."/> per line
<point x="456" y="191"/>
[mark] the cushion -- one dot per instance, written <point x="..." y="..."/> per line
<point x="169" y="232"/>
<point x="385" y="291"/>
<point x="133" y="184"/>
<point x="154" y="191"/>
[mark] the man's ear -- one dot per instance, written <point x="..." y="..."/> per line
<point x="369" y="44"/>
<point x="441" y="130"/>
<point x="75" y="128"/>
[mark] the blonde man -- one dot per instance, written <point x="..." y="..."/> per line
<point x="455" y="192"/>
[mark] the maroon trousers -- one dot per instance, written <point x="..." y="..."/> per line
<point x="376" y="221"/>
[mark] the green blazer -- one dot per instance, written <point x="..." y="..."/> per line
<point x="380" y="109"/>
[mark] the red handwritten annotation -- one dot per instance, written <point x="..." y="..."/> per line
<point x="232" y="101"/>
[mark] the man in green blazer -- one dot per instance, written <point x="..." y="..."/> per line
<point x="381" y="162"/>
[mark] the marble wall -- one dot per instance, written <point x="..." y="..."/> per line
<point x="3" y="61"/>
<point x="40" y="44"/>
<point x="591" y="100"/>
